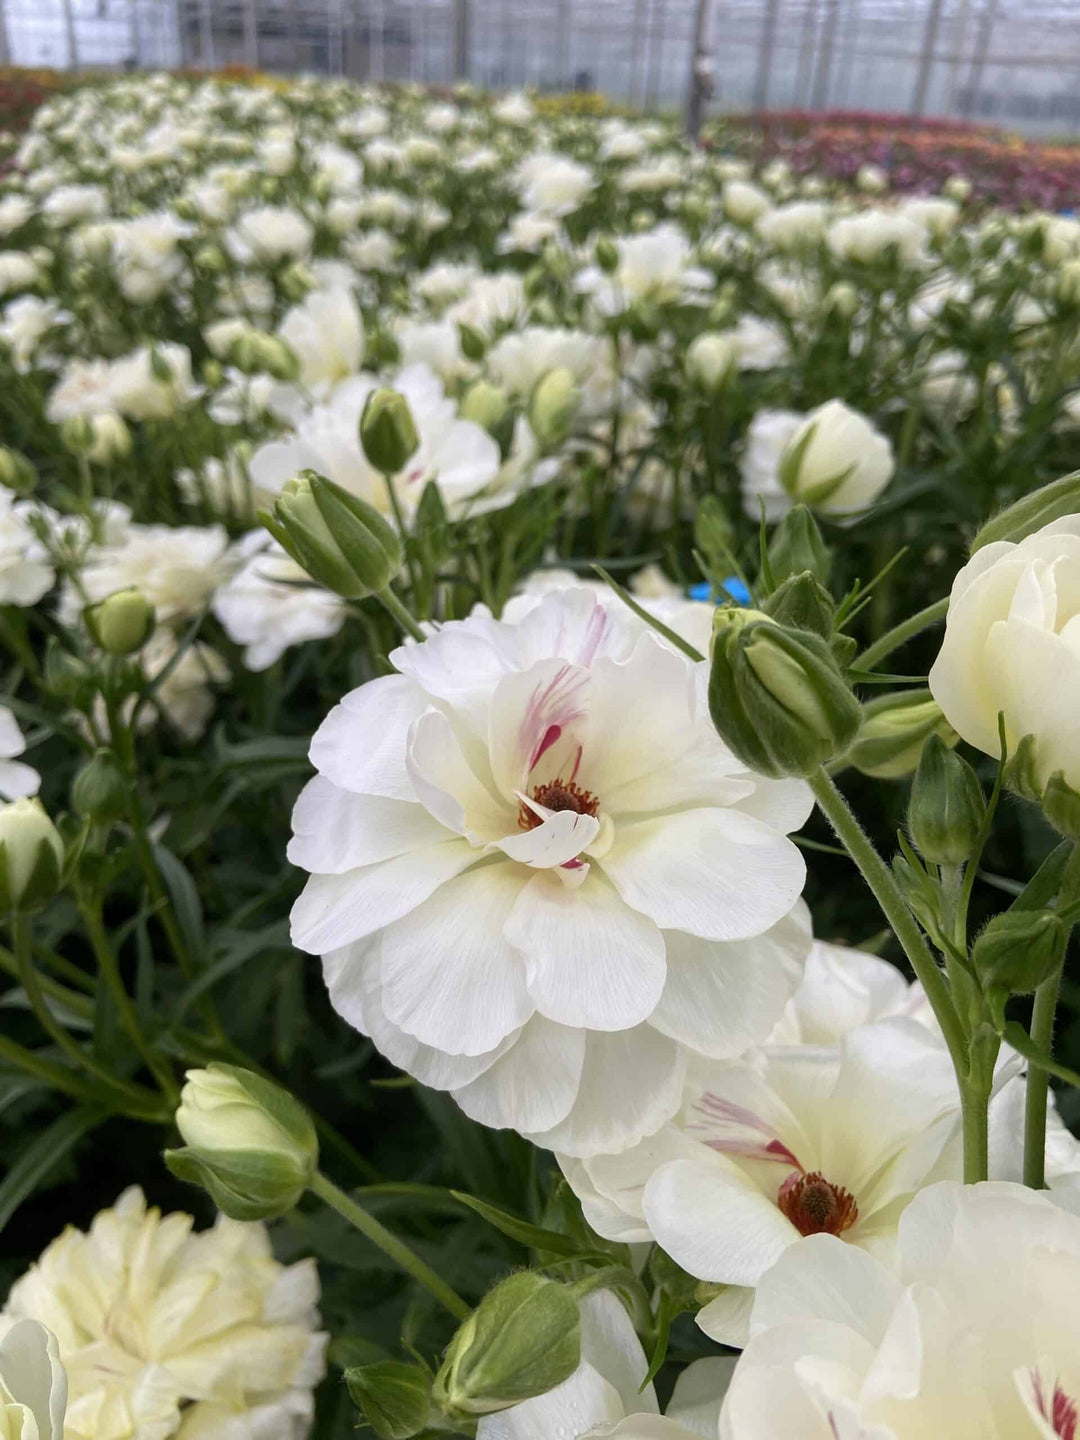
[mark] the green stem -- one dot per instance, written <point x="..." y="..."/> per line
<point x="110" y="971"/>
<point x="73" y="1000"/>
<point x="390" y="1245"/>
<point x="899" y="634"/>
<point x="887" y="893"/>
<point x="390" y="602"/>
<point x="403" y="531"/>
<point x="974" y="1107"/>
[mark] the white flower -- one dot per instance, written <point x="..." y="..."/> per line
<point x="621" y="142"/>
<point x="691" y="620"/>
<point x="25" y="324"/>
<point x="553" y="184"/>
<point x="662" y="173"/>
<point x="491" y="301"/>
<point x="971" y="1335"/>
<point x="18" y="271"/>
<point x="947" y="385"/>
<point x="604" y="1395"/>
<point x="84" y="388"/>
<point x="876" y="234"/>
<point x="176" y="567"/>
<point x="872" y="179"/>
<point x="326" y="334"/>
<point x="270" y="603"/>
<point x="527" y="232"/>
<point x="798" y="223"/>
<point x="375" y="250"/>
<point x="766" y="440"/>
<point x="762" y="345"/>
<point x="457" y="454"/>
<point x="33" y="1386"/>
<point x="152" y="383"/>
<point x="70" y="203"/>
<point x="146" y="256"/>
<point x="839" y="463"/>
<point x="514" y="108"/>
<point x="711" y="357"/>
<point x="518" y="360"/>
<point x="185" y="697"/>
<point x="15" y="210"/>
<point x="842" y="988"/>
<point x="1012" y="645"/>
<point x="440" y="284"/>
<point x="936" y="215"/>
<point x="518" y="872"/>
<point x="435" y="344"/>
<point x="743" y="202"/>
<point x="270" y="233"/>
<point x="16" y="779"/>
<point x="159" y="1327"/>
<point x="654" y="266"/>
<point x="26" y="570"/>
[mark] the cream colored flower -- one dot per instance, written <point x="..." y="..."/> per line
<point x="162" y="1330"/>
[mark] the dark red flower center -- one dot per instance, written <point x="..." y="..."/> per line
<point x="557" y="795"/>
<point x="815" y="1206"/>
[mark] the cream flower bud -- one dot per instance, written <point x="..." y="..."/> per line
<point x="893" y="732"/>
<point x="553" y="406"/>
<point x="872" y="179"/>
<point x="339" y="539"/>
<point x="16" y="471"/>
<point x="388" y="432"/>
<point x="836" y="461"/>
<point x="485" y="404"/>
<point x="744" y="202"/>
<point x="121" y="623"/>
<point x="33" y="1385"/>
<point x="249" y="1142"/>
<point x="710" y="359"/>
<point x="31" y="855"/>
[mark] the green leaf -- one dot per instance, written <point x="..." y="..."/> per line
<point x="639" y="610"/>
<point x="38" y="1159"/>
<point x="1040" y="890"/>
<point x="257" y="942"/>
<point x="534" y="1236"/>
<point x="184" y="895"/>
<point x="663" y="1335"/>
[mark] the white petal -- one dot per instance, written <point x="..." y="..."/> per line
<point x="448" y="976"/>
<point x="361" y="743"/>
<point x="699" y="1392"/>
<point x="558" y="839"/>
<point x="783" y="804"/>
<point x="448" y="785"/>
<point x="727" y="1318"/>
<point x="822" y="1279"/>
<point x="610" y="1344"/>
<point x="352" y="978"/>
<point x="715" y="1222"/>
<point x="17" y="780"/>
<point x="334" y="910"/>
<point x="335" y="830"/>
<point x="589" y="959"/>
<point x="534" y="1082"/>
<point x="714" y="873"/>
<point x="644" y="1069"/>
<point x="576" y="1406"/>
<point x="535" y="717"/>
<point x="11" y="737"/>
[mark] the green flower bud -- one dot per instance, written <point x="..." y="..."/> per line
<point x="947" y="807"/>
<point x="710" y="360"/>
<point x="922" y="895"/>
<point x="16" y="471"/>
<point x="1032" y="512"/>
<point x="643" y="321"/>
<point x="31" y="856"/>
<point x="485" y="404"/>
<point x="339" y="539"/>
<point x="1061" y="806"/>
<point x="387" y="432"/>
<point x="212" y="373"/>
<point x="473" y="344"/>
<point x="522" y="1340"/>
<point x="533" y="282"/>
<point x="100" y="791"/>
<point x="382" y="349"/>
<point x="256" y="353"/>
<point x="796" y="545"/>
<point x="800" y="603"/>
<point x="210" y="258"/>
<point x="607" y="255"/>
<point x="67" y="677"/>
<point x="1018" y="951"/>
<point x="121" y="623"/>
<point x="101" y="438"/>
<point x="893" y="732"/>
<point x="160" y="367"/>
<point x="777" y="697"/>
<point x="297" y="281"/>
<point x="249" y="1142"/>
<point x="394" y="1398"/>
<point x="553" y="405"/>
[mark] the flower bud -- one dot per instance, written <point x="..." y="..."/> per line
<point x="121" y="623"/>
<point x="552" y="407"/>
<point x="16" y="471"/>
<point x="800" y="603"/>
<point x="836" y="460"/>
<point x="256" y="353"/>
<point x="777" y="697"/>
<point x="394" y="1398"/>
<point x="210" y="258"/>
<point x="893" y="732"/>
<point x="842" y="299"/>
<point x="31" y="856"/>
<point x="473" y="344"/>
<point x="1032" y="512"/>
<point x="947" y="807"/>
<point x="382" y="349"/>
<point x="387" y="432"/>
<point x="249" y="1143"/>
<point x="1061" y="806"/>
<point x="485" y="404"/>
<point x="607" y="255"/>
<point x="296" y="281"/>
<point x="710" y="360"/>
<point x="339" y="539"/>
<point x="1019" y="950"/>
<point x="957" y="187"/>
<point x="100" y="791"/>
<point x="796" y="545"/>
<point x="523" y="1339"/>
<point x="67" y="677"/>
<point x="109" y="438"/>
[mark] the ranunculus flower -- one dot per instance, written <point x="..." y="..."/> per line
<point x="836" y="461"/>
<point x="970" y="1334"/>
<point x="26" y="571"/>
<point x="176" y="567"/>
<point x="655" y="267"/>
<point x="528" y="884"/>
<point x="875" y="234"/>
<point x="270" y="603"/>
<point x="162" y="1330"/>
<point x="326" y="334"/>
<point x="1012" y="646"/>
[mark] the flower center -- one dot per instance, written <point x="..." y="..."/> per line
<point x="816" y="1207"/>
<point x="557" y="795"/>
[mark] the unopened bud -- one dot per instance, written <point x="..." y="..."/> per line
<point x="522" y="1340"/>
<point x="473" y="344"/>
<point x="553" y="406"/>
<point x="1032" y="512"/>
<point x="1061" y="806"/>
<point x="16" y="471"/>
<point x="100" y="791"/>
<point x="339" y="539"/>
<point x="121" y="623"/>
<point x="796" y="545"/>
<point x="800" y="603"/>
<point x="485" y="404"/>
<point x="777" y="697"/>
<point x="710" y="360"/>
<point x="842" y="299"/>
<point x="393" y="1397"/>
<point x="893" y="732"/>
<point x="210" y="258"/>
<point x="1019" y="950"/>
<point x="947" y="808"/>
<point x="248" y="1142"/>
<point x="607" y="255"/>
<point x="297" y="281"/>
<point x="256" y="353"/>
<point x="387" y="432"/>
<point x="101" y="438"/>
<point x="31" y="856"/>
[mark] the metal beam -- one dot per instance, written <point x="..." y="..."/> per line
<point x="765" y="54"/>
<point x="656" y="54"/>
<point x="698" y="87"/>
<point x="461" y="39"/>
<point x="926" y="59"/>
<point x="978" y="61"/>
<point x="637" y="35"/>
<point x="819" y="99"/>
